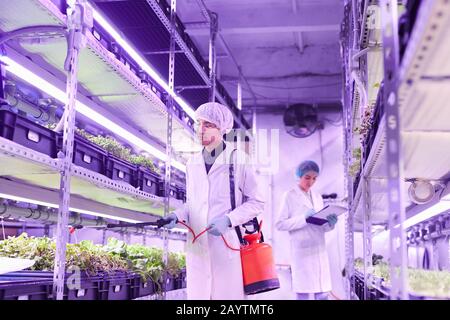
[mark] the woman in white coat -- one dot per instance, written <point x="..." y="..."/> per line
<point x="310" y="267"/>
<point x="213" y="270"/>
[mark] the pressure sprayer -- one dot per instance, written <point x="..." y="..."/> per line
<point x="258" y="267"/>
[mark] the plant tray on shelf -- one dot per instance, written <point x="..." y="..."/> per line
<point x="147" y="181"/>
<point x="120" y="170"/>
<point x="172" y="193"/>
<point x="25" y="288"/>
<point x="119" y="286"/>
<point x="88" y="155"/>
<point x="27" y="133"/>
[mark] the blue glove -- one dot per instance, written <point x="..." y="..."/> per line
<point x="310" y="213"/>
<point x="219" y="225"/>
<point x="170" y="221"/>
<point x="332" y="219"/>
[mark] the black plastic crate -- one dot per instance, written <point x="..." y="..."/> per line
<point x="148" y="181"/>
<point x="88" y="155"/>
<point x="172" y="193"/>
<point x="120" y="286"/>
<point x="180" y="280"/>
<point x="181" y="193"/>
<point x="27" y="133"/>
<point x="144" y="288"/>
<point x="25" y="288"/>
<point x="356" y="182"/>
<point x="120" y="170"/>
<point x="169" y="284"/>
<point x="89" y="287"/>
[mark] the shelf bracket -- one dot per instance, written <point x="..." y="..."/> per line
<point x="79" y="21"/>
<point x="170" y="108"/>
<point x="397" y="236"/>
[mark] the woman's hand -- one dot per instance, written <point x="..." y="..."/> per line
<point x="310" y="213"/>
<point x="332" y="219"/>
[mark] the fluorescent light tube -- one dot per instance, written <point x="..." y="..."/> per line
<point x="51" y="205"/>
<point x="428" y="213"/>
<point x="57" y="93"/>
<point x="141" y="61"/>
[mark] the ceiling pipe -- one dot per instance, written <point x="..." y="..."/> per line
<point x="50" y="216"/>
<point x="43" y="215"/>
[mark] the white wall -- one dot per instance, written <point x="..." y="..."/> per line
<point x="291" y="152"/>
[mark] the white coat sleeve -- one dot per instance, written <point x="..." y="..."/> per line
<point x="182" y="213"/>
<point x="252" y="191"/>
<point x="286" y="221"/>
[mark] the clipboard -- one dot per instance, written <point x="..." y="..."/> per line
<point x="320" y="218"/>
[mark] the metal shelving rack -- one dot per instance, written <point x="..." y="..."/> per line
<point x="209" y="79"/>
<point x="109" y="82"/>
<point x="80" y="189"/>
<point x="408" y="142"/>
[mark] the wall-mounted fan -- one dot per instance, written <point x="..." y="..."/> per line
<point x="300" y="120"/>
<point x="421" y="191"/>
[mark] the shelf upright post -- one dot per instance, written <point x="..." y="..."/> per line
<point x="213" y="25"/>
<point x="348" y="131"/>
<point x="79" y="19"/>
<point x="397" y="240"/>
<point x="2" y="87"/>
<point x="157" y="9"/>
<point x="170" y="107"/>
<point x="367" y="236"/>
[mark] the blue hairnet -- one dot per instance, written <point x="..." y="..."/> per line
<point x="305" y="167"/>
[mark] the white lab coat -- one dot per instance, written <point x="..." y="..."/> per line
<point x="309" y="258"/>
<point x="213" y="270"/>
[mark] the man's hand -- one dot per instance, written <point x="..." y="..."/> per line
<point x="219" y="225"/>
<point x="170" y="221"/>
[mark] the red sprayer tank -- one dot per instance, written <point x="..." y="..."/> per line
<point x="258" y="267"/>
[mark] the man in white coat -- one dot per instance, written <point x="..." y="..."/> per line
<point x="311" y="276"/>
<point x="213" y="270"/>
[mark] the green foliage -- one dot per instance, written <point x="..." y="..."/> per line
<point x="357" y="153"/>
<point x="354" y="168"/>
<point x="93" y="259"/>
<point x="50" y="126"/>
<point x="147" y="261"/>
<point x="427" y="283"/>
<point x="115" y="148"/>
<point x="85" y="255"/>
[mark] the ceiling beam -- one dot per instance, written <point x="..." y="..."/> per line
<point x="218" y="56"/>
<point x="292" y="100"/>
<point x="199" y="29"/>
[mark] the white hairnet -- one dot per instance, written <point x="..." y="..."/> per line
<point x="216" y="113"/>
